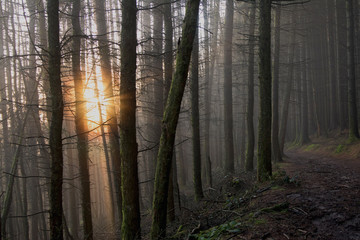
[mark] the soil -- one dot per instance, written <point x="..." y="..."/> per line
<point x="313" y="196"/>
<point x="325" y="204"/>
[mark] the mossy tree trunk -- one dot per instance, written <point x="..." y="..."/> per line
<point x="81" y="123"/>
<point x="57" y="107"/>
<point x="228" y="106"/>
<point x="170" y="120"/>
<point x="128" y="145"/>
<point x="249" y="161"/>
<point x="264" y="170"/>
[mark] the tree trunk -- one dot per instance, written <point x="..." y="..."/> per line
<point x="228" y="111"/>
<point x="81" y="123"/>
<point x="168" y="64"/>
<point x="353" y="119"/>
<point x="249" y="162"/>
<point x="341" y="59"/>
<point x="264" y="136"/>
<point x="276" y="152"/>
<point x="195" y="117"/>
<point x="170" y="119"/>
<point x="56" y="208"/>
<point x="290" y="78"/>
<point x="304" y="133"/>
<point x="334" y="115"/>
<point x="129" y="170"/>
<point x="106" y="73"/>
<point x="208" y="93"/>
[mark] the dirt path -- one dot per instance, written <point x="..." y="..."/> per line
<point x="325" y="204"/>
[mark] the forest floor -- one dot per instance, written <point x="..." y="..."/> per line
<point x="314" y="194"/>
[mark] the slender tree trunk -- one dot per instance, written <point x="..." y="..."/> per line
<point x="207" y="169"/>
<point x="353" y="118"/>
<point x="334" y="115"/>
<point x="106" y="73"/>
<point x="170" y="119"/>
<point x="129" y="170"/>
<point x="208" y="93"/>
<point x="168" y="64"/>
<point x="289" y="84"/>
<point x="341" y="59"/>
<point x="158" y="80"/>
<point x="228" y="111"/>
<point x="81" y="123"/>
<point x="249" y="162"/>
<point x="304" y="133"/>
<point x="276" y="152"/>
<point x="264" y="135"/>
<point x="195" y="117"/>
<point x="56" y="208"/>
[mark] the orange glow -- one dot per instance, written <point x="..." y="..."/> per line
<point x="93" y="101"/>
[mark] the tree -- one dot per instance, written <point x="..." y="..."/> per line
<point x="128" y="146"/>
<point x="264" y="139"/>
<point x="353" y="120"/>
<point x="168" y="69"/>
<point x="228" y="111"/>
<point x="196" y="118"/>
<point x="276" y="152"/>
<point x="106" y="73"/>
<point x="249" y="161"/>
<point x="81" y="123"/>
<point x="170" y="119"/>
<point x="289" y="84"/>
<point x="334" y="122"/>
<point x="304" y="132"/>
<point x="56" y="208"/>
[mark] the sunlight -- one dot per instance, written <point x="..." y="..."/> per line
<point x="93" y="100"/>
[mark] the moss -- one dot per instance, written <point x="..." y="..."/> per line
<point x="277" y="187"/>
<point x="312" y="147"/>
<point x="282" y="207"/>
<point x="259" y="221"/>
<point x="339" y="149"/>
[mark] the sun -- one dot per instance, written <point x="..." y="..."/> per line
<point x="94" y="98"/>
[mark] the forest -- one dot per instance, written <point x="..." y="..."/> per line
<point x="179" y="119"/>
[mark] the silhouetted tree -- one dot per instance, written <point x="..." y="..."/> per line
<point x="264" y="139"/>
<point x="170" y="120"/>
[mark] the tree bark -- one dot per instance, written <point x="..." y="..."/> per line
<point x="170" y="119"/>
<point x="334" y="115"/>
<point x="249" y="162"/>
<point x="341" y="37"/>
<point x="81" y="123"/>
<point x="228" y="111"/>
<point x="106" y="73"/>
<point x="195" y="117"/>
<point x="56" y="208"/>
<point x="304" y="133"/>
<point x="353" y="118"/>
<point x="128" y="145"/>
<point x="168" y="68"/>
<point x="276" y="152"/>
<point x="289" y="84"/>
<point x="264" y="171"/>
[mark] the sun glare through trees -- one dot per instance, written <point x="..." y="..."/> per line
<point x="179" y="119"/>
